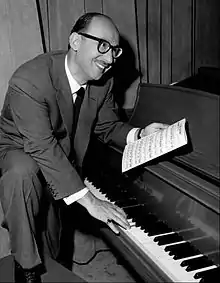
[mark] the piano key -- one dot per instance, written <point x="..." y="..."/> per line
<point x="214" y="256"/>
<point x="206" y="244"/>
<point x="159" y="228"/>
<point x="186" y="261"/>
<point x="210" y="276"/>
<point x="179" y="222"/>
<point x="126" y="202"/>
<point x="153" y="226"/>
<point x="190" y="234"/>
<point x="158" y="254"/>
<point x="149" y="222"/>
<point x="197" y="263"/>
<point x="161" y="258"/>
<point x="181" y="250"/>
<point x="212" y="271"/>
<point x="166" y="260"/>
<point x="168" y="239"/>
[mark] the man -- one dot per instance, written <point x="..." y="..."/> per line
<point x="42" y="146"/>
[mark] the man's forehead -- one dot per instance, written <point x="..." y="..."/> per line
<point x="103" y="28"/>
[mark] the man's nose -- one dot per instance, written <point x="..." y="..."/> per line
<point x="109" y="57"/>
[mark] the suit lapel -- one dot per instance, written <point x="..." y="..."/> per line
<point x="88" y="111"/>
<point x="64" y="96"/>
<point x="64" y="99"/>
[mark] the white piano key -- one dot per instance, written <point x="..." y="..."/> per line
<point x="157" y="254"/>
<point x="172" y="268"/>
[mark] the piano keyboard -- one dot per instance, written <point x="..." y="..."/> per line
<point x="160" y="248"/>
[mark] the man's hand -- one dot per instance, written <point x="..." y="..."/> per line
<point x="105" y="211"/>
<point x="150" y="129"/>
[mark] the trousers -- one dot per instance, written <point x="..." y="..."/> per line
<point x="30" y="214"/>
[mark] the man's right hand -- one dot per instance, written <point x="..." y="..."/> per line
<point x="104" y="211"/>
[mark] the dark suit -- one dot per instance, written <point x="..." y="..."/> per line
<point x="36" y="128"/>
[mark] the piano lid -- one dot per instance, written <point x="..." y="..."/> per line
<point x="168" y="104"/>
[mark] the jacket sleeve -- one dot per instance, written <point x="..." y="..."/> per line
<point x="30" y="113"/>
<point x="109" y="128"/>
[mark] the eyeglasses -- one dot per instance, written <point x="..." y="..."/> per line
<point x="103" y="45"/>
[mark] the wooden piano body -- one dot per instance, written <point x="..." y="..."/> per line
<point x="181" y="187"/>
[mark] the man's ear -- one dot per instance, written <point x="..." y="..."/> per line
<point x="74" y="41"/>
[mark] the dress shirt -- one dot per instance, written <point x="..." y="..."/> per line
<point x="74" y="86"/>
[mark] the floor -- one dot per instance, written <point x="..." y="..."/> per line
<point x="103" y="268"/>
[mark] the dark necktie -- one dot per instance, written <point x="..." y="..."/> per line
<point x="77" y="105"/>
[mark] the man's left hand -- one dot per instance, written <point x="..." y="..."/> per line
<point x="152" y="128"/>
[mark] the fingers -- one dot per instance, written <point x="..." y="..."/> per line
<point x="120" y="210"/>
<point x="113" y="227"/>
<point x="163" y="126"/>
<point x="121" y="219"/>
<point x="154" y="127"/>
<point x="158" y="126"/>
<point x="108" y="213"/>
<point x="117" y="215"/>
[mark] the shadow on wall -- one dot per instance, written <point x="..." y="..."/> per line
<point x="125" y="73"/>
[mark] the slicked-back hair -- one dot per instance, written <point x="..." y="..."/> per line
<point x="84" y="21"/>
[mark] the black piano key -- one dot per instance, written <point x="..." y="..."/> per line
<point x="147" y="222"/>
<point x="114" y="195"/>
<point x="168" y="239"/>
<point x="207" y="274"/>
<point x="206" y="244"/>
<point x="180" y="251"/>
<point x="134" y="212"/>
<point x="197" y="263"/>
<point x="179" y="223"/>
<point x="191" y="234"/>
<point x="208" y="279"/>
<point x="126" y="202"/>
<point x="214" y="257"/>
<point x="211" y="276"/>
<point x="159" y="228"/>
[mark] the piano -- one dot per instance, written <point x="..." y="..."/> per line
<point x="172" y="202"/>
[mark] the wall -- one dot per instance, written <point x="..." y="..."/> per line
<point x="58" y="18"/>
<point x="176" y="37"/>
<point x="20" y="38"/>
<point x="163" y="40"/>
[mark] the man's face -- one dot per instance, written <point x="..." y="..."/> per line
<point x="90" y="62"/>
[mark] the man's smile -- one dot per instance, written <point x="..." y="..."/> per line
<point x="102" y="65"/>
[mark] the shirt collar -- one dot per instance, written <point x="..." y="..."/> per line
<point x="74" y="86"/>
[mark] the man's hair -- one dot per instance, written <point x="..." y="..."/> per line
<point x="84" y="21"/>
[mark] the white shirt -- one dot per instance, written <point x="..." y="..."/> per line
<point x="74" y="86"/>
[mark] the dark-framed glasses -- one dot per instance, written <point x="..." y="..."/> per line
<point x="103" y="45"/>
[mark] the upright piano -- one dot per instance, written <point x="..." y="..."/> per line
<point x="172" y="202"/>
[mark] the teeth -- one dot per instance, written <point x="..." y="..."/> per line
<point x="100" y="66"/>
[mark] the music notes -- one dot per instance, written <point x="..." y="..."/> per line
<point x="154" y="145"/>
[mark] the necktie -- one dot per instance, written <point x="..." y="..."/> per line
<point x="77" y="105"/>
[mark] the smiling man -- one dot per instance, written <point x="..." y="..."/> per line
<point x="89" y="57"/>
<point x="44" y="138"/>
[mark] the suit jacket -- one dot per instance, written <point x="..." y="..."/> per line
<point x="37" y="117"/>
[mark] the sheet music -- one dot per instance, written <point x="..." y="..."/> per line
<point x="154" y="145"/>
